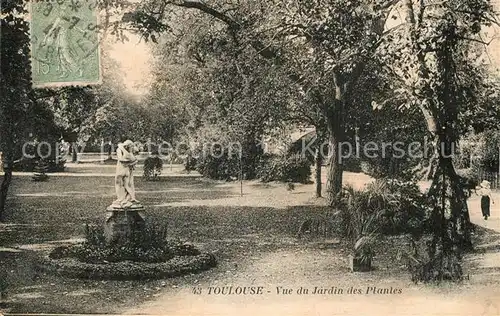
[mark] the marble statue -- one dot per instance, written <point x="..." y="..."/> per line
<point x="124" y="179"/>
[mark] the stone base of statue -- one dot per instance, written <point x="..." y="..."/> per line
<point x="123" y="224"/>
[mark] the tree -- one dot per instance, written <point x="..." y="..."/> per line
<point x="24" y="113"/>
<point x="432" y="53"/>
<point x="208" y="80"/>
<point x="322" y="46"/>
<point x="27" y="113"/>
<point x="15" y="85"/>
<point x="75" y="107"/>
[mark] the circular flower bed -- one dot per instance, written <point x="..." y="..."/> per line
<point x="126" y="263"/>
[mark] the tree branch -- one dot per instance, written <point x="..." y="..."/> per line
<point x="262" y="49"/>
<point x="477" y="40"/>
<point x="189" y="4"/>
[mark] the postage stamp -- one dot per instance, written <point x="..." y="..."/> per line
<point x="64" y="43"/>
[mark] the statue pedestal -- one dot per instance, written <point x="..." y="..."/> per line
<point x="123" y="224"/>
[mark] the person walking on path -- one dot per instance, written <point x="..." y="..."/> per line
<point x="485" y="192"/>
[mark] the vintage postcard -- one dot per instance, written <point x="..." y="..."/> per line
<point x="250" y="157"/>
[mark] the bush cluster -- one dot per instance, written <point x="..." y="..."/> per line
<point x="469" y="179"/>
<point x="407" y="210"/>
<point x="217" y="167"/>
<point x="396" y="207"/>
<point x="128" y="270"/>
<point x="293" y="168"/>
<point x="190" y="163"/>
<point x="148" y="255"/>
<point x="152" y="167"/>
<point x="389" y="167"/>
<point x="151" y="246"/>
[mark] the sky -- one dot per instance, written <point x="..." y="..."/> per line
<point x="134" y="58"/>
<point x="493" y="48"/>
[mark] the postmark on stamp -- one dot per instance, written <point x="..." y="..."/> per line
<point x="64" y="43"/>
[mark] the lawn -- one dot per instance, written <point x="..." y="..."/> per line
<point x="251" y="235"/>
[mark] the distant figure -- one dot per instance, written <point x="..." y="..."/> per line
<point x="484" y="191"/>
<point x="124" y="179"/>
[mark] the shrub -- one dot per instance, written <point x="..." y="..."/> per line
<point x="225" y="163"/>
<point x="152" y="167"/>
<point x="360" y="222"/>
<point x="399" y="206"/>
<point x="386" y="206"/>
<point x="150" y="246"/>
<point x="352" y="164"/>
<point x="40" y="171"/>
<point x="469" y="179"/>
<point x="127" y="270"/>
<point x="218" y="167"/>
<point x="293" y="168"/>
<point x="409" y="211"/>
<point x="147" y="256"/>
<point x="353" y="210"/>
<point x="389" y="167"/>
<point x="190" y="163"/>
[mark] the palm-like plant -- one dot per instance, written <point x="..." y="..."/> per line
<point x="361" y="213"/>
<point x="367" y="234"/>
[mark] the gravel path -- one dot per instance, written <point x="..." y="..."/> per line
<point x="308" y="268"/>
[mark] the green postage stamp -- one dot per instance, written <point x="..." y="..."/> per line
<point x="64" y="43"/>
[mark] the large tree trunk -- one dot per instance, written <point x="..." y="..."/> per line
<point x="450" y="222"/>
<point x="318" y="160"/>
<point x="74" y="152"/>
<point x="335" y="169"/>
<point x="336" y="130"/>
<point x="433" y="158"/>
<point x="431" y="167"/>
<point x="451" y="203"/>
<point x="450" y="225"/>
<point x="4" y="187"/>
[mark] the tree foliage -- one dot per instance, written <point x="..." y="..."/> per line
<point x="430" y="54"/>
<point x="322" y="48"/>
<point x="15" y="87"/>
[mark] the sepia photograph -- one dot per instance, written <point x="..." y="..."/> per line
<point x="250" y="157"/>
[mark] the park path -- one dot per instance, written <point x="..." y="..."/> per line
<point x="474" y="204"/>
<point x="106" y="170"/>
<point x="476" y="217"/>
<point x="308" y="267"/>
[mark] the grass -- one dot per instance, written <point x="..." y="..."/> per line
<point x="59" y="208"/>
<point x="210" y="214"/>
